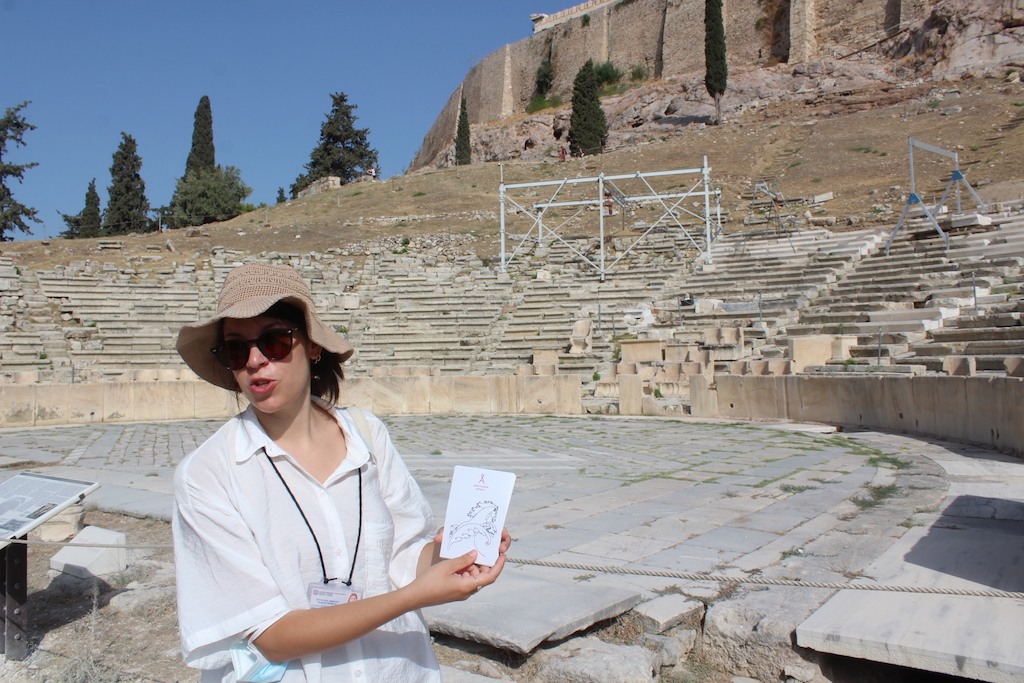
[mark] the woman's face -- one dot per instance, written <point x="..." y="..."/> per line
<point x="272" y="386"/>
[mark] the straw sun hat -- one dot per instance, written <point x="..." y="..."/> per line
<point x="248" y="291"/>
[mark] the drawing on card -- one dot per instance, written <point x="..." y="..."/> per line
<point x="479" y="528"/>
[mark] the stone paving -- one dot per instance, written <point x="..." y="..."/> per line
<point x="678" y="495"/>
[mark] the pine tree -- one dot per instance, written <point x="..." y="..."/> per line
<point x="281" y="198"/>
<point x="208" y="195"/>
<point x="343" y="150"/>
<point x="13" y="213"/>
<point x="716" y="73"/>
<point x="127" y="205"/>
<point x="202" y="157"/>
<point x="87" y="222"/>
<point x="587" y="125"/>
<point x="463" y="149"/>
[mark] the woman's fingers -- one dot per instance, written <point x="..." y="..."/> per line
<point x="488" y="575"/>
<point x="506" y="541"/>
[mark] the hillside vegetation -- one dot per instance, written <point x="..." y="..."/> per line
<point x="853" y="145"/>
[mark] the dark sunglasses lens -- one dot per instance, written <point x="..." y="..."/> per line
<point x="275" y="345"/>
<point x="232" y="354"/>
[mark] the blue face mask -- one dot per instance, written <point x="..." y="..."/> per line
<point x="252" y="667"/>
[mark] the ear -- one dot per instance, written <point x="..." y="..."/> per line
<point x="314" y="352"/>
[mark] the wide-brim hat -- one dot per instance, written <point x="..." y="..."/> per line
<point x="248" y="291"/>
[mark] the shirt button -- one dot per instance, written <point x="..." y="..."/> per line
<point x="359" y="674"/>
<point x="337" y="551"/>
<point x="322" y="492"/>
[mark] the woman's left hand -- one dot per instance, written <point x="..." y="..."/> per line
<point x="506" y="543"/>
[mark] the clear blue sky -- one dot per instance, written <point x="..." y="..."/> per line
<point x="94" y="68"/>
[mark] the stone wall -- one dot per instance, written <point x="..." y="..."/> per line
<point x="666" y="37"/>
<point x="982" y="410"/>
<point x="33" y="405"/>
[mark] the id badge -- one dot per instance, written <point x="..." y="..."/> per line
<point x="326" y="594"/>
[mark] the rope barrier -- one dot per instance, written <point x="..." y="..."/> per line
<point x="687" y="576"/>
<point x="774" y="582"/>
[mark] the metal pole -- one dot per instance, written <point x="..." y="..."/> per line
<point x="600" y="217"/>
<point x="879" y="361"/>
<point x="599" y="317"/>
<point x="760" y="313"/>
<point x="706" y="172"/>
<point x="910" y="154"/>
<point x="956" y="181"/>
<point x="501" y="208"/>
<point x="974" y="288"/>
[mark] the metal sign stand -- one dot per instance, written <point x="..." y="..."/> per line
<point x="955" y="179"/>
<point x="14" y="614"/>
<point x="29" y="500"/>
<point x="608" y="193"/>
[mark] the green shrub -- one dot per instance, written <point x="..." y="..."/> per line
<point x="420" y="194"/>
<point x="540" y="102"/>
<point x="585" y="20"/>
<point x="638" y="73"/>
<point x="607" y="74"/>
<point x="545" y="77"/>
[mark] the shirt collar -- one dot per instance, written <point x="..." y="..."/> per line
<point x="250" y="438"/>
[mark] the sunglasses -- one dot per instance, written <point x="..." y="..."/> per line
<point x="273" y="344"/>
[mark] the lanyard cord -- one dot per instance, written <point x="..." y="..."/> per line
<point x="319" y="552"/>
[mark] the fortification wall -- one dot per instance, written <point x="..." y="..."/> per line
<point x="552" y="20"/>
<point x="666" y="37"/>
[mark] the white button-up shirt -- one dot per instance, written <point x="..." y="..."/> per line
<point x="244" y="557"/>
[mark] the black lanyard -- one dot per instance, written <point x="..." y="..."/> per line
<point x="359" y="531"/>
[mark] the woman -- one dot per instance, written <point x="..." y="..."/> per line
<point x="302" y="552"/>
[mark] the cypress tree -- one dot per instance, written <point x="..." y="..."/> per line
<point x="88" y="222"/>
<point x="343" y="150"/>
<point x="92" y="221"/>
<point x="716" y="73"/>
<point x="463" y="149"/>
<point x="12" y="212"/>
<point x="587" y="125"/>
<point x="202" y="156"/>
<point x="127" y="205"/>
<point x="281" y="198"/>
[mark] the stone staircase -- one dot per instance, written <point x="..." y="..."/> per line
<point x="912" y="307"/>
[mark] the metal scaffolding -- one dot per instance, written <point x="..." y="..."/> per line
<point x="954" y="182"/>
<point x="611" y="191"/>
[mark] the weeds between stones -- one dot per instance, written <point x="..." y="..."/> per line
<point x="878" y="495"/>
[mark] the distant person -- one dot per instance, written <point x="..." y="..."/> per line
<point x="303" y="547"/>
<point x="561" y="153"/>
<point x="372" y="172"/>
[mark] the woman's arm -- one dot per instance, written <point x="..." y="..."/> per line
<point x="305" y="632"/>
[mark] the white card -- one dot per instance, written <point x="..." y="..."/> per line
<point x="477" y="505"/>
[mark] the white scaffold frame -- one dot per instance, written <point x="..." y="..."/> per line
<point x="955" y="179"/>
<point x="670" y="215"/>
